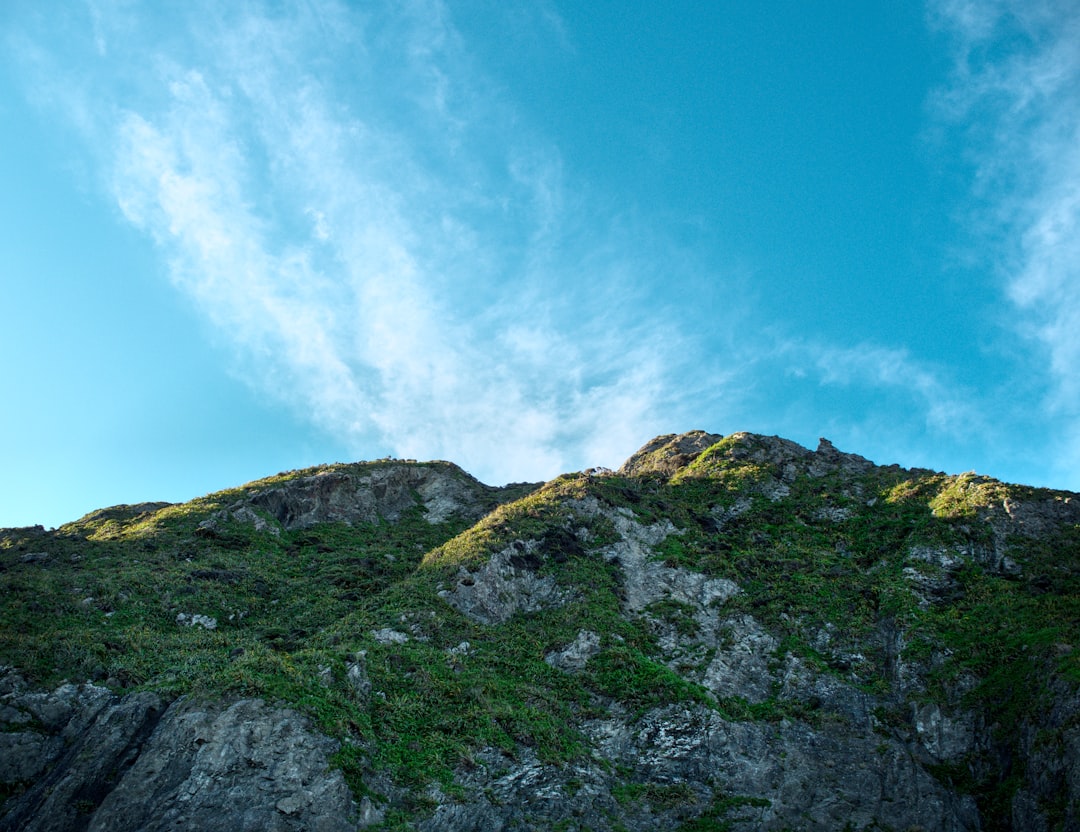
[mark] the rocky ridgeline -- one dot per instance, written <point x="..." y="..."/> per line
<point x="727" y="633"/>
<point x="368" y="494"/>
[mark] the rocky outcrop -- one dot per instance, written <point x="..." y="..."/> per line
<point x="573" y="657"/>
<point x="362" y="494"/>
<point x="647" y="580"/>
<point x="384" y="493"/>
<point x="122" y="512"/>
<point x="677" y="764"/>
<point x="824" y="779"/>
<point x="667" y="454"/>
<point x="1041" y="516"/>
<point x="94" y="761"/>
<point x="504" y="585"/>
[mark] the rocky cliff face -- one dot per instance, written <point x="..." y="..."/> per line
<point x="107" y="763"/>
<point x="727" y="633"/>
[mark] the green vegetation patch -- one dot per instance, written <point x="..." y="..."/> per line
<point x="660" y="796"/>
<point x="717" y="817"/>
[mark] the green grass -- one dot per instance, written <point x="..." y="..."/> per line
<point x="715" y="817"/>
<point x="659" y="796"/>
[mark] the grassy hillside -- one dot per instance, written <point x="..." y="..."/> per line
<point x="910" y="586"/>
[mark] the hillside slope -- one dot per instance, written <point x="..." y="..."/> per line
<point x="727" y="633"/>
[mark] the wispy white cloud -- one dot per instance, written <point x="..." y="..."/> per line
<point x="1014" y="100"/>
<point x="339" y="193"/>
<point x="883" y="402"/>
<point x="946" y="408"/>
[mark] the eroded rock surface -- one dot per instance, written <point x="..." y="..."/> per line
<point x="504" y="585"/>
<point x="665" y="455"/>
<point x="573" y="657"/>
<point x="105" y="763"/>
<point x="363" y="494"/>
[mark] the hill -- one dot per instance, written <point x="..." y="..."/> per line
<point x="727" y="633"/>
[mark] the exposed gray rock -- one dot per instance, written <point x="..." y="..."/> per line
<point x="505" y="792"/>
<point x="187" y="619"/>
<point x="121" y="764"/>
<point x="646" y="580"/>
<point x="931" y="572"/>
<point x="824" y="778"/>
<point x="576" y="654"/>
<point x="939" y="556"/>
<point x="828" y="459"/>
<point x="368" y="495"/>
<point x="725" y="514"/>
<point x="1037" y="518"/>
<point x="25" y="754"/>
<point x="248" y="766"/>
<point x="947" y="737"/>
<point x="499" y="589"/>
<point x="69" y="706"/>
<point x="787" y="458"/>
<point x="685" y="758"/>
<point x="123" y="512"/>
<point x="388" y="635"/>
<point x="834" y="514"/>
<point x="667" y="454"/>
<point x="357" y="675"/>
<point x="740" y="666"/>
<point x="1050" y="743"/>
<point x="101" y="741"/>
<point x="215" y="524"/>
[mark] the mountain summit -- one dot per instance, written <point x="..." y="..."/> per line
<point x="728" y="633"/>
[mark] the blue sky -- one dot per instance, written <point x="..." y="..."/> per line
<point x="529" y="235"/>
